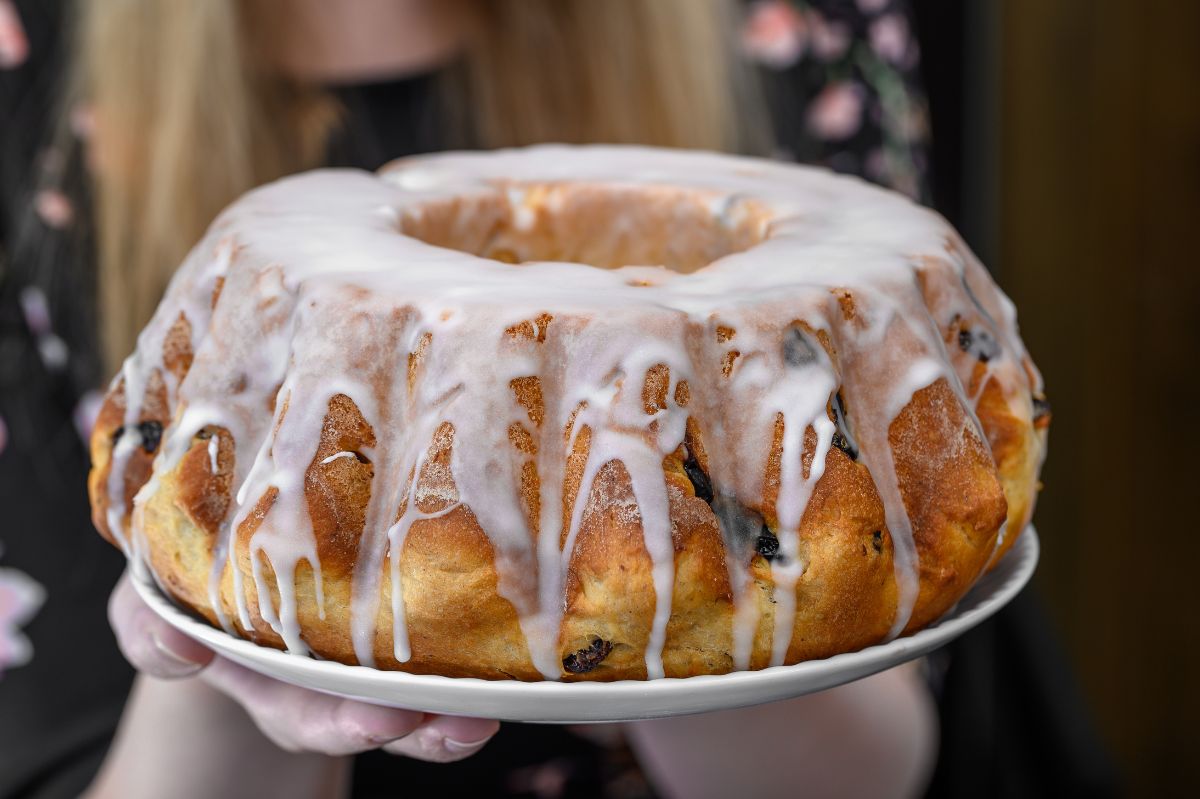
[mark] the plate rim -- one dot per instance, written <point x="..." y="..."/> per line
<point x="672" y="695"/>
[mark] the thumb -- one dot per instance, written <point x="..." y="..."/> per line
<point x="148" y="642"/>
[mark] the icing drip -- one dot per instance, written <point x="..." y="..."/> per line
<point x="214" y="446"/>
<point x="396" y="536"/>
<point x="279" y="467"/>
<point x="407" y="422"/>
<point x="801" y="397"/>
<point x="621" y="430"/>
<point x="877" y="452"/>
<point x="417" y="337"/>
<point x="182" y="301"/>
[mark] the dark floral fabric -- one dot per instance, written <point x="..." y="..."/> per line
<point x="20" y="597"/>
<point x="843" y="84"/>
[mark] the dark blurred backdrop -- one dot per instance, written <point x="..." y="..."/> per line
<point x="1067" y="150"/>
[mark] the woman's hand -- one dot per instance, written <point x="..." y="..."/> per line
<point x="294" y="719"/>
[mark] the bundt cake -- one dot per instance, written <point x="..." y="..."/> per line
<point x="572" y="413"/>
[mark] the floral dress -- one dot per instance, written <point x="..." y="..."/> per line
<point x="843" y="85"/>
<point x="20" y="597"/>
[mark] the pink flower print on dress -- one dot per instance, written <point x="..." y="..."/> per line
<point x="86" y="411"/>
<point x="837" y="111"/>
<point x="774" y="33"/>
<point x="35" y="309"/>
<point x="829" y="39"/>
<point x="890" y="38"/>
<point x="872" y="6"/>
<point x="20" y="598"/>
<point x="54" y="208"/>
<point x="53" y="349"/>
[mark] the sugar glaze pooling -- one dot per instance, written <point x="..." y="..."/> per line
<point x="318" y="261"/>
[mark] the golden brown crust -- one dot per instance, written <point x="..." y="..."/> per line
<point x="955" y="502"/>
<point x="846" y="598"/>
<point x="459" y="624"/>
<point x="153" y="418"/>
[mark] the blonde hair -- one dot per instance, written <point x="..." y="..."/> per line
<point x="187" y="119"/>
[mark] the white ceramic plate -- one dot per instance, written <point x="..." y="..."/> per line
<point x="554" y="702"/>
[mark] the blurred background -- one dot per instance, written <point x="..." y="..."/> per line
<point x="1067" y="150"/>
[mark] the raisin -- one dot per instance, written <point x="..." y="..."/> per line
<point x="797" y="350"/>
<point x="1041" y="408"/>
<point x="877" y="540"/>
<point x="700" y="480"/>
<point x="841" y="443"/>
<point x="740" y="526"/>
<point x="767" y="544"/>
<point x="841" y="437"/>
<point x="151" y="433"/>
<point x="588" y="658"/>
<point x="116" y="434"/>
<point x="979" y="343"/>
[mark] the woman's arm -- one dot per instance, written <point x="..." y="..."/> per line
<point x="186" y="739"/>
<point x="876" y="737"/>
<point x="209" y="727"/>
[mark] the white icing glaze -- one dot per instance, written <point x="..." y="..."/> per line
<point x="339" y="299"/>
<point x="214" y="446"/>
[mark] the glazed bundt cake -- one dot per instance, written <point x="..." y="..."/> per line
<point x="572" y="413"/>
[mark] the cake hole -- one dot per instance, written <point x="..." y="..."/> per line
<point x="606" y="226"/>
